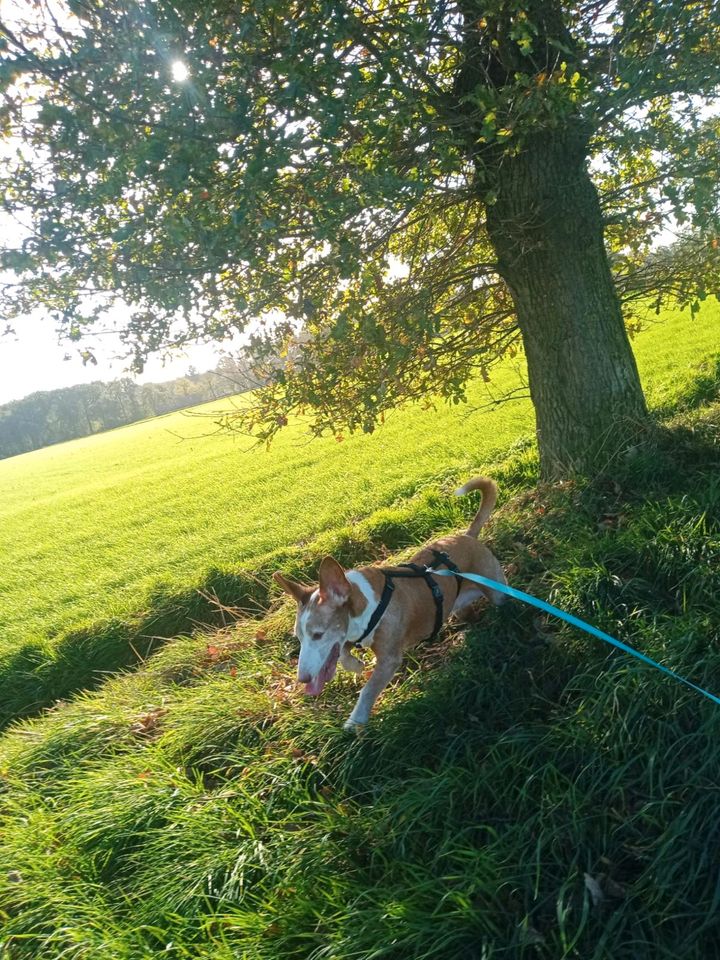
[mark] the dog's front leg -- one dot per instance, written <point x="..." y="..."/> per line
<point x="385" y="670"/>
<point x="349" y="662"/>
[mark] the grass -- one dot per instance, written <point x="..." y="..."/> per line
<point x="522" y="790"/>
<point x="108" y="539"/>
<point x="94" y="525"/>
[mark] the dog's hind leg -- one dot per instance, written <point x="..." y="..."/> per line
<point x="497" y="574"/>
<point x="385" y="670"/>
<point x="486" y="564"/>
<point x="468" y="596"/>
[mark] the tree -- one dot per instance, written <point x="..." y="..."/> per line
<point x="388" y="194"/>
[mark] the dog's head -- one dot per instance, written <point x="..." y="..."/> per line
<point x="321" y="625"/>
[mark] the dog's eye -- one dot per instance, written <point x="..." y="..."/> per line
<point x="317" y="634"/>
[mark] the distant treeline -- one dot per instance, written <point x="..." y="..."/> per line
<point x="51" y="416"/>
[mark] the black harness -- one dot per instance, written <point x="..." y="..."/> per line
<point x="411" y="571"/>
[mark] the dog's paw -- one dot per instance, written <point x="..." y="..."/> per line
<point x="352" y="726"/>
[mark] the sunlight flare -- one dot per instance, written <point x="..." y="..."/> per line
<point x="180" y="71"/>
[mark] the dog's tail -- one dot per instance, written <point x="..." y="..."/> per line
<point x="489" y="497"/>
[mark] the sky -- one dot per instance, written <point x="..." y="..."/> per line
<point x="33" y="358"/>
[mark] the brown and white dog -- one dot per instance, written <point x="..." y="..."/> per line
<point x="334" y="615"/>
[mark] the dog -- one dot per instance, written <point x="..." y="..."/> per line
<point x="388" y="609"/>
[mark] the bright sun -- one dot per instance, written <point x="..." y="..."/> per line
<point x="179" y="71"/>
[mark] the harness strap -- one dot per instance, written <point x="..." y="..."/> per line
<point x="442" y="559"/>
<point x="379" y="609"/>
<point x="416" y="571"/>
<point x="436" y="592"/>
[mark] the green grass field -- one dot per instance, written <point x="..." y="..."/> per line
<point x="90" y="527"/>
<point x="521" y="790"/>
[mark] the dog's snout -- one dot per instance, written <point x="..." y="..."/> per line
<point x="304" y="676"/>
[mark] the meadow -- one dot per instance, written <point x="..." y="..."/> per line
<point x="91" y="527"/>
<point x="128" y="523"/>
<point x="521" y="791"/>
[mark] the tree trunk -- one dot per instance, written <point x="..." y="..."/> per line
<point x="546" y="228"/>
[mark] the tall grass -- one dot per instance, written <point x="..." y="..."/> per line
<point x="522" y="790"/>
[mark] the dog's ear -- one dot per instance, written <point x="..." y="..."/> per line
<point x="297" y="590"/>
<point x="334" y="585"/>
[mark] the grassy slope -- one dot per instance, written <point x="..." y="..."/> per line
<point x="90" y="527"/>
<point x="196" y="808"/>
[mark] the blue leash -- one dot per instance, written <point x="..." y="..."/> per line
<point x="575" y="621"/>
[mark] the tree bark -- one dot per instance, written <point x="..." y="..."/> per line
<point x="546" y="228"/>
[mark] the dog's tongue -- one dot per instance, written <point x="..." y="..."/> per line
<point x="315" y="687"/>
<point x="327" y="672"/>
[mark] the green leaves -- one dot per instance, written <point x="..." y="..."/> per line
<point x="313" y="141"/>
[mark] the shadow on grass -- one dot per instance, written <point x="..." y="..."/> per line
<point x="530" y="789"/>
<point x="534" y="771"/>
<point x="545" y="788"/>
<point x="38" y="674"/>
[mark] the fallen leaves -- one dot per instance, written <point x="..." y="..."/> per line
<point x="147" y="723"/>
<point x="301" y="756"/>
<point x="281" y="689"/>
<point x="224" y="648"/>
